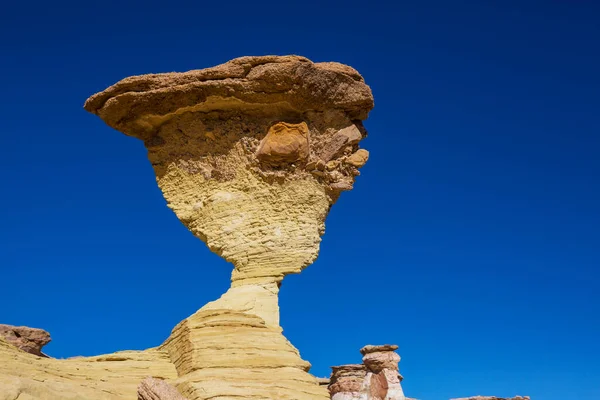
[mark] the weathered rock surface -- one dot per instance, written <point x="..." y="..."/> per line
<point x="30" y="340"/>
<point x="376" y="379"/>
<point x="157" y="389"/>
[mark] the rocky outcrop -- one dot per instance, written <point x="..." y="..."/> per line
<point x="157" y="389"/>
<point x="376" y="379"/>
<point x="30" y="340"/>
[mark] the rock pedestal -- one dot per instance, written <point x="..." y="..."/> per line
<point x="376" y="379"/>
<point x="250" y="155"/>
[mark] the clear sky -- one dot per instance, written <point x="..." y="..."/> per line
<point x="471" y="238"/>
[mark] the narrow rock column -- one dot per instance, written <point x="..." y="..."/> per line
<point x="383" y="379"/>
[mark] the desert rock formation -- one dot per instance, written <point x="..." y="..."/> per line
<point x="377" y="378"/>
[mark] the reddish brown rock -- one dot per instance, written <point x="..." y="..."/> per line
<point x="157" y="389"/>
<point x="378" y="348"/>
<point x="30" y="340"/>
<point x="285" y="143"/>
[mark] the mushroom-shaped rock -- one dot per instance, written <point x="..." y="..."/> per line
<point x="376" y="379"/>
<point x="239" y="151"/>
<point x="230" y="146"/>
<point x="284" y="144"/>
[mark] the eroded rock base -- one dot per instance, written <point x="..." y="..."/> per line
<point x="227" y="351"/>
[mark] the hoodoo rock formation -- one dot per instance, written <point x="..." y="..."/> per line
<point x="30" y="340"/>
<point x="250" y="155"/>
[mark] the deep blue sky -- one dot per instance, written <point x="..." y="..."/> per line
<point x="472" y="236"/>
